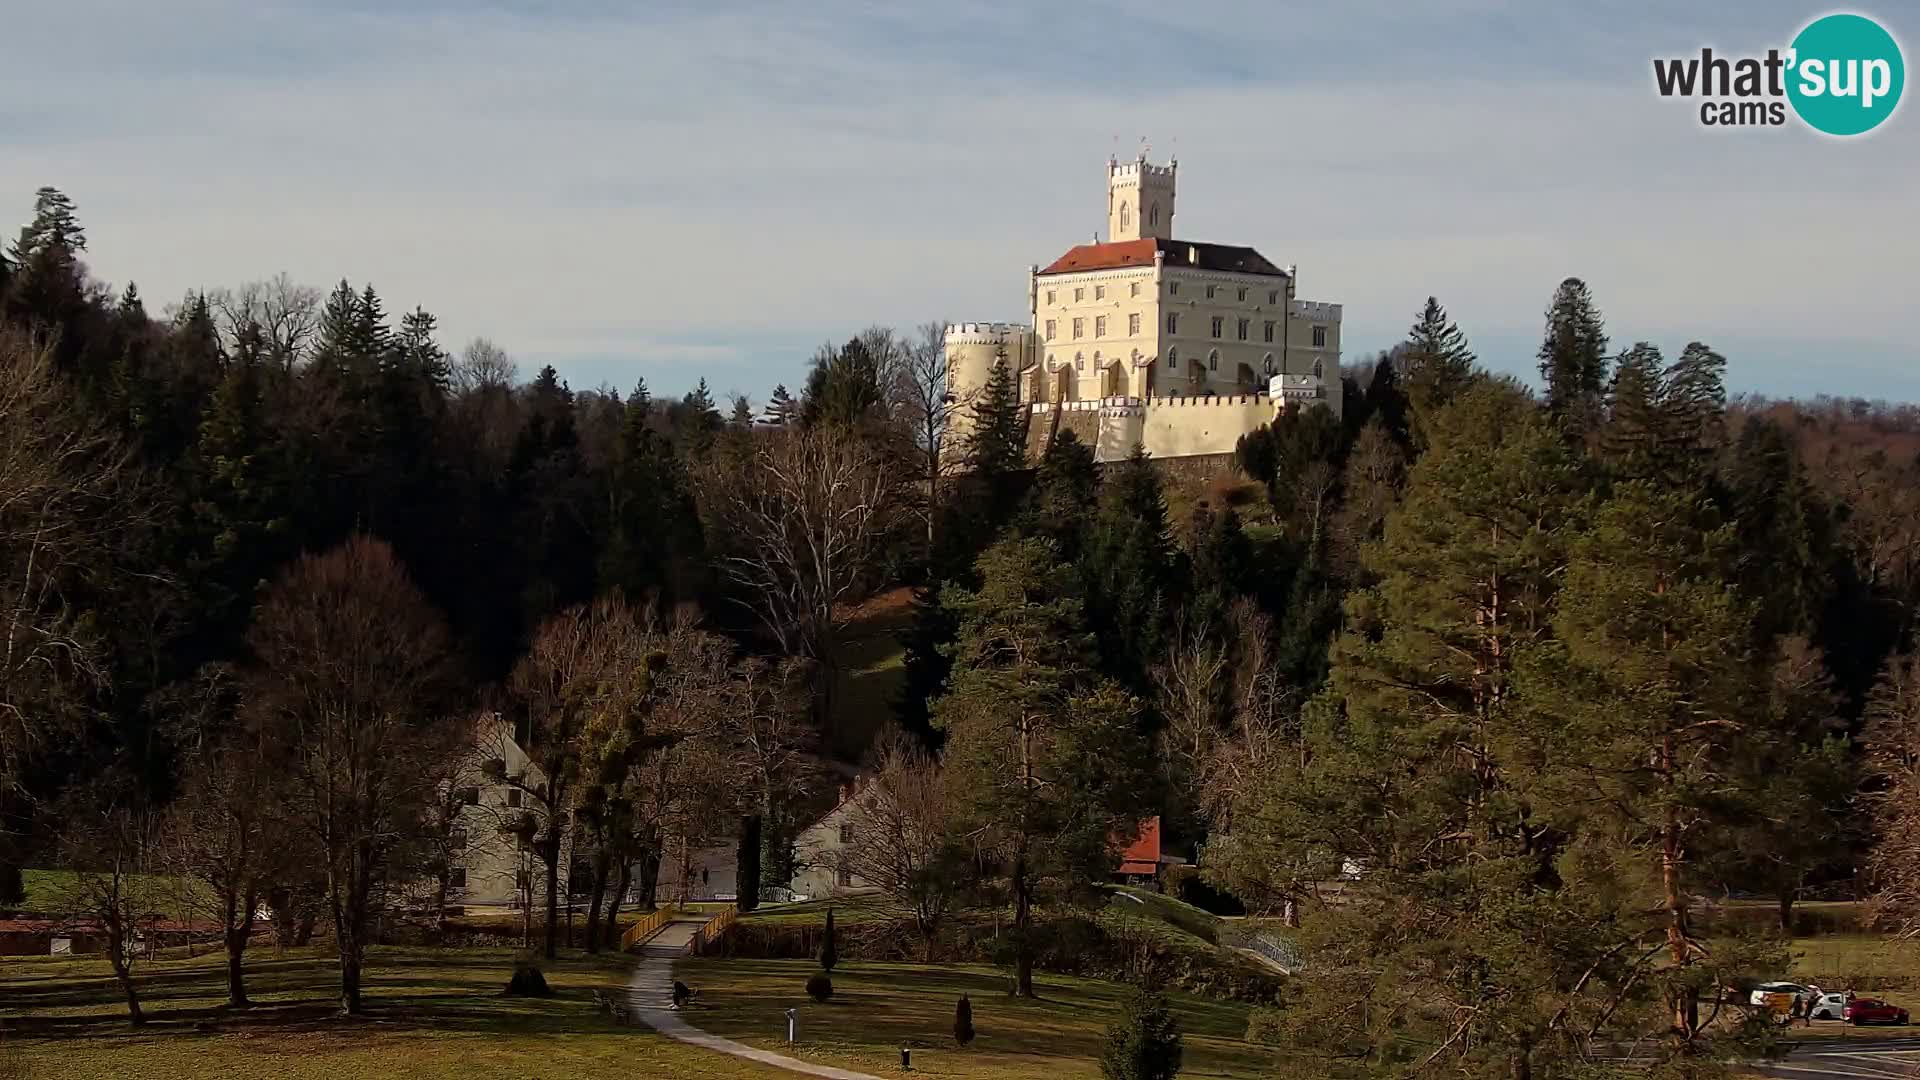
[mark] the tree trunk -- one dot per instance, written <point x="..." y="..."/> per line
<point x="1686" y="1006"/>
<point x="350" y="979"/>
<point x="236" y="971"/>
<point x="123" y="973"/>
<point x="747" y="863"/>
<point x="593" y="902"/>
<point x="1786" y="899"/>
<point x="1022" y="929"/>
<point x="622" y="884"/>
<point x="650" y="879"/>
<point x="552" y="858"/>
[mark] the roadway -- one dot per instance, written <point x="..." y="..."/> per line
<point x="1895" y="1057"/>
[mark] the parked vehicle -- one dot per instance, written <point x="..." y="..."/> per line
<point x="1874" y="1011"/>
<point x="1768" y="993"/>
<point x="1828" y="1006"/>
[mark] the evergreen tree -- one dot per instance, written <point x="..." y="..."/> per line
<point x="742" y="415"/>
<point x="1663" y="422"/>
<point x="1786" y="540"/>
<point x="1132" y="573"/>
<point x="1060" y="505"/>
<point x="996" y="443"/>
<point x="845" y="387"/>
<point x="1144" y="1043"/>
<point x="781" y="408"/>
<point x="652" y="530"/>
<point x="1435" y="364"/>
<point x="1050" y="761"/>
<point x="963" y="1021"/>
<point x="1573" y="357"/>
<point x="829" y="947"/>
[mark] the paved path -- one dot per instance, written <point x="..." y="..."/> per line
<point x="1896" y="1057"/>
<point x="650" y="993"/>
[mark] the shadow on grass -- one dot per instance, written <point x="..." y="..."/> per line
<point x="443" y="990"/>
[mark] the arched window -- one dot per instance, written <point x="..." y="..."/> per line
<point x="1213" y="360"/>
<point x="1173" y="358"/>
<point x="1125" y="216"/>
<point x="1268" y="365"/>
<point x="1153" y="215"/>
<point x="1079" y="362"/>
<point x="1318" y="372"/>
<point x="1173" y="322"/>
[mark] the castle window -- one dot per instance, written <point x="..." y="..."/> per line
<point x="1133" y="289"/>
<point x="1219" y="323"/>
<point x="1213" y="360"/>
<point x="1153" y="215"/>
<point x="1049" y="296"/>
<point x="1269" y="366"/>
<point x="846" y="832"/>
<point x="1125" y="215"/>
<point x="1173" y="288"/>
<point x="1099" y="326"/>
<point x="1318" y="371"/>
<point x="1244" y="323"/>
<point x="1079" y="295"/>
<point x="1319" y="337"/>
<point x="1050" y="329"/>
<point x="1243" y="294"/>
<point x="513" y="796"/>
<point x="1079" y="362"/>
<point x="1133" y="323"/>
<point x="1078" y="325"/>
<point x="1209" y="292"/>
<point x="1099" y="292"/>
<point x="1173" y="322"/>
<point x="1269" y="331"/>
<point x="1273" y="296"/>
<point x="1173" y="358"/>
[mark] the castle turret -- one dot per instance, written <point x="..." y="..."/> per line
<point x="973" y="348"/>
<point x="1140" y="199"/>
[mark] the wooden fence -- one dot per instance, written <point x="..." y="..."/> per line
<point x="645" y="928"/>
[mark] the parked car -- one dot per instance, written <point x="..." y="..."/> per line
<point x="1874" y="1011"/>
<point x="1766" y="993"/>
<point x="1828" y="1006"/>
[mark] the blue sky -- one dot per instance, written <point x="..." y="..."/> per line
<point x="675" y="190"/>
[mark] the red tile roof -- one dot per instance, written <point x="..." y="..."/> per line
<point x="1142" y="856"/>
<point x="1123" y="253"/>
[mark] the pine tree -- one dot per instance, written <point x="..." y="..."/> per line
<point x="845" y="386"/>
<point x="1050" y="760"/>
<point x="1060" y="505"/>
<point x="652" y="530"/>
<point x="963" y="1021"/>
<point x="1435" y="363"/>
<point x="742" y="415"/>
<point x="996" y="443"/>
<point x="781" y="408"/>
<point x="1664" y="423"/>
<point x="829" y="946"/>
<point x="1132" y="573"/>
<point x="1573" y="357"/>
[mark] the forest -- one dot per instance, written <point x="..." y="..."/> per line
<point x="1508" y="666"/>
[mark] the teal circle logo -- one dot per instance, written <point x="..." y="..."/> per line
<point x="1845" y="74"/>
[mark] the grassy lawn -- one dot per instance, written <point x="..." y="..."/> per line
<point x="872" y="667"/>
<point x="879" y="1008"/>
<point x="1860" y="956"/>
<point x="433" y="1014"/>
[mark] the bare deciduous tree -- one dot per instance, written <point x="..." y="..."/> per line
<point x="805" y="515"/>
<point x="228" y="832"/>
<point x="286" y="313"/>
<point x="1893" y="755"/>
<point x="354" y="684"/>
<point x="108" y="842"/>
<point x="906" y="838"/>
<point x="926" y="404"/>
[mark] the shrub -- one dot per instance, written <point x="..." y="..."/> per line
<point x="527" y="981"/>
<point x="963" y="1021"/>
<point x="1144" y="1044"/>
<point x="829" y="948"/>
<point x="820" y="988"/>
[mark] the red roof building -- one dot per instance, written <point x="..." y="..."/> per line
<point x="1141" y="858"/>
<point x="1229" y="258"/>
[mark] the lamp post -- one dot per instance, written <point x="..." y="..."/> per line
<point x="793" y="1025"/>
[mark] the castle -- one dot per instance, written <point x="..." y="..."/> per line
<point x="1174" y="346"/>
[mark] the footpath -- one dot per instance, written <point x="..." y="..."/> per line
<point x="650" y="996"/>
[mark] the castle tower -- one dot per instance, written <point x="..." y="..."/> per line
<point x="973" y="350"/>
<point x="1140" y="199"/>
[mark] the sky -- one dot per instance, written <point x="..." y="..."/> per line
<point x="676" y="190"/>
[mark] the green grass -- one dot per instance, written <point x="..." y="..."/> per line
<point x="879" y="1008"/>
<point x="846" y="909"/>
<point x="49" y="892"/>
<point x="1863" y="956"/>
<point x="1176" y="919"/>
<point x="872" y="667"/>
<point x="432" y="1014"/>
